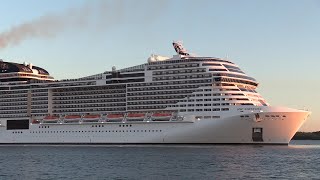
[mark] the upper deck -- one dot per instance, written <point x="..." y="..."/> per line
<point x="183" y="83"/>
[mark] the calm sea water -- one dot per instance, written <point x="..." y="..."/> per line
<point x="299" y="160"/>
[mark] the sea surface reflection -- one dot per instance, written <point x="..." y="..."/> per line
<point x="299" y="160"/>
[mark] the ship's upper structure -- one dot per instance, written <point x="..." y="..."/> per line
<point x="11" y="72"/>
<point x="183" y="84"/>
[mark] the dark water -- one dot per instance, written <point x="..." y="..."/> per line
<point x="299" y="160"/>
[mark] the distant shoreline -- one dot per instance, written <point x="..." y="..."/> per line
<point x="307" y="136"/>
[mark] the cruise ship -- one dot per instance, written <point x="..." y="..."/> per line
<point x="183" y="99"/>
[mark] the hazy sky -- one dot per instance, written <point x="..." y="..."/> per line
<point x="276" y="42"/>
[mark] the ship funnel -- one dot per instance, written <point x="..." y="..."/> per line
<point x="179" y="48"/>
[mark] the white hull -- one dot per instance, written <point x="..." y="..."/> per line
<point x="229" y="130"/>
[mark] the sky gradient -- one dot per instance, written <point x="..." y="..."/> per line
<point x="276" y="42"/>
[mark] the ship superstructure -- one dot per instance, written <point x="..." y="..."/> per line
<point x="182" y="99"/>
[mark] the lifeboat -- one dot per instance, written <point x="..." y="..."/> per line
<point x="72" y="118"/>
<point x="51" y="119"/>
<point x="91" y="118"/>
<point x="135" y="116"/>
<point x="161" y="116"/>
<point x="115" y="117"/>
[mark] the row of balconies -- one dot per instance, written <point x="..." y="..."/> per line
<point x="173" y="66"/>
<point x="244" y="82"/>
<point x="89" y="105"/>
<point x="14" y="92"/>
<point x="163" y="88"/>
<point x="43" y="111"/>
<point x="89" y="110"/>
<point x="13" y="115"/>
<point x="39" y="107"/>
<point x="14" y="100"/>
<point x="12" y="108"/>
<point x="40" y="99"/>
<point x="194" y="76"/>
<point x="89" y="97"/>
<point x="90" y="101"/>
<point x="152" y="102"/>
<point x="92" y="88"/>
<point x="183" y="71"/>
<point x="39" y="90"/>
<point x="190" y="60"/>
<point x="14" y="104"/>
<point x="103" y="91"/>
<point x="197" y="105"/>
<point x="68" y="84"/>
<point x="205" y="109"/>
<point x="233" y="76"/>
<point x="200" y="100"/>
<point x="156" y="97"/>
<point x="39" y="102"/>
<point x="13" y="96"/>
<point x="160" y="92"/>
<point x="39" y="94"/>
<point x="146" y="107"/>
<point x="248" y="90"/>
<point x="14" y="112"/>
<point x="197" y="81"/>
<point x="88" y="92"/>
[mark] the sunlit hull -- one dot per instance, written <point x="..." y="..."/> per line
<point x="228" y="130"/>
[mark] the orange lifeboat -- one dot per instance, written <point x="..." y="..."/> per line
<point x="161" y="116"/>
<point x="72" y="118"/>
<point x="115" y="117"/>
<point x="50" y="119"/>
<point x="135" y="116"/>
<point x="91" y="118"/>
